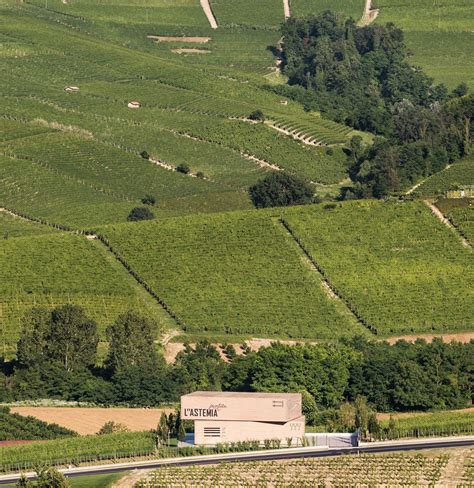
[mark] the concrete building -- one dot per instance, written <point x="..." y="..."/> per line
<point x="224" y="417"/>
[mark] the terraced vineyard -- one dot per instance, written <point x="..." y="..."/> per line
<point x="395" y="265"/>
<point x="365" y="470"/>
<point x="51" y="270"/>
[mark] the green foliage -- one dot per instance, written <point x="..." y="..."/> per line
<point x="429" y="424"/>
<point x="149" y="200"/>
<point x="65" y="336"/>
<point x="76" y="450"/>
<point x="281" y="190"/>
<point x="183" y="168"/>
<point x="131" y="343"/>
<point x="140" y="213"/>
<point x="112" y="427"/>
<point x="257" y="116"/>
<point x="17" y="427"/>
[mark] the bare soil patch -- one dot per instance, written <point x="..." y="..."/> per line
<point x="190" y="50"/>
<point x="464" y="337"/>
<point x="87" y="421"/>
<point x="191" y="40"/>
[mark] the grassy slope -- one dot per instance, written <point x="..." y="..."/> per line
<point x="399" y="267"/>
<point x="96" y="481"/>
<point x="51" y="270"/>
<point x="11" y="226"/>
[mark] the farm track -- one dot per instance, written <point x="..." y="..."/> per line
<point x="369" y="15"/>
<point x="286" y="8"/>
<point x="206" y="6"/>
<point x="438" y="214"/>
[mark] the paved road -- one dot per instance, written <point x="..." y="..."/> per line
<point x="272" y="455"/>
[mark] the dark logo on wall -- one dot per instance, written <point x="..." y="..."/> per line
<point x="200" y="412"/>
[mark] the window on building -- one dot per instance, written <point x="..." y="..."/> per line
<point x="278" y="403"/>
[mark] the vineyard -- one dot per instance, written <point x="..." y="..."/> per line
<point x="77" y="450"/>
<point x="438" y="34"/>
<point x="412" y="469"/>
<point x="458" y="174"/>
<point x="396" y="267"/>
<point x="234" y="274"/>
<point x="432" y="424"/>
<point x="51" y="270"/>
<point x="460" y="212"/>
<point x="17" y="427"/>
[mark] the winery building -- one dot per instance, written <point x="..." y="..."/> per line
<point x="224" y="417"/>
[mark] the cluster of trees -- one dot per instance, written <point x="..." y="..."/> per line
<point x="359" y="76"/>
<point x="281" y="190"/>
<point x="57" y="359"/>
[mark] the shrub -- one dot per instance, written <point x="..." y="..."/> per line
<point x="140" y="213"/>
<point x="183" y="168"/>
<point x="200" y="175"/>
<point x="280" y="190"/>
<point x="145" y="155"/>
<point x="112" y="427"/>
<point x="257" y="115"/>
<point x="148" y="200"/>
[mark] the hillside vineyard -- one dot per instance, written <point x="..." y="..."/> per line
<point x="111" y="106"/>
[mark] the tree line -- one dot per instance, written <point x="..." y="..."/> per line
<point x="57" y="358"/>
<point x="359" y="76"/>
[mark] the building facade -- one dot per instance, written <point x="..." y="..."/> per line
<point x="224" y="417"/>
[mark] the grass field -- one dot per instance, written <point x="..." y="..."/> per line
<point x="96" y="481"/>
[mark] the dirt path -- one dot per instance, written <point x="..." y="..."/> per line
<point x="206" y="6"/>
<point x="452" y="473"/>
<point x="129" y="480"/>
<point x="437" y="213"/>
<point x="369" y="15"/>
<point x="286" y="7"/>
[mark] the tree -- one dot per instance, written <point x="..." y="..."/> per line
<point x="461" y="90"/>
<point x="72" y="338"/>
<point x="145" y="155"/>
<point x="31" y="348"/>
<point x="51" y="478"/>
<point x="280" y="190"/>
<point x="183" y="168"/>
<point x="140" y="213"/>
<point x="257" y="115"/>
<point x="162" y="430"/>
<point x="148" y="199"/>
<point x="309" y="407"/>
<point x="132" y="343"/>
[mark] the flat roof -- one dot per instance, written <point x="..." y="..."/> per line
<point x="241" y="394"/>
